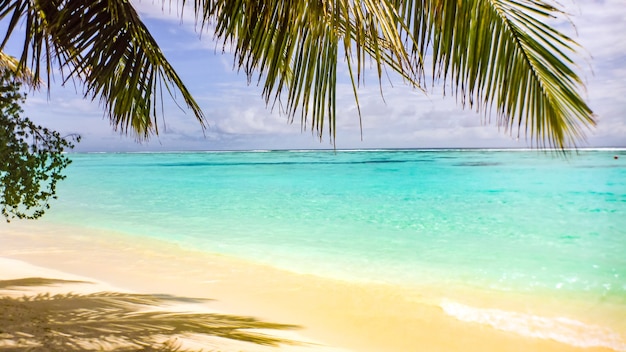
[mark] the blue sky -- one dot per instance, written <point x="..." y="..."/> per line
<point x="407" y="118"/>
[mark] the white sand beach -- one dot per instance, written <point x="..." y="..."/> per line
<point x="331" y="315"/>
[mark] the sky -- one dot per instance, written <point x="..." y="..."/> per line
<point x="238" y="118"/>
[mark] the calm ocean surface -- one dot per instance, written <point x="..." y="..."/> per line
<point x="503" y="223"/>
<point x="521" y="221"/>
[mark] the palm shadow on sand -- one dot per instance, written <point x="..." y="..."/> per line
<point x="115" y="321"/>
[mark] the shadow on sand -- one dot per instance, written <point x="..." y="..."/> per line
<point x="115" y="321"/>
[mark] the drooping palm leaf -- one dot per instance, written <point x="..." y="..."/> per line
<point x="501" y="54"/>
<point x="11" y="64"/>
<point x="497" y="55"/>
<point x="105" y="46"/>
<point x="293" y="47"/>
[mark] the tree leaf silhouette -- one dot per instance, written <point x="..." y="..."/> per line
<point x="36" y="281"/>
<point x="114" y="321"/>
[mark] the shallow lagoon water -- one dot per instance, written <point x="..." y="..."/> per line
<point x="505" y="220"/>
<point x="540" y="225"/>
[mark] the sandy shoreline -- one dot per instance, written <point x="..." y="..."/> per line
<point x="336" y="315"/>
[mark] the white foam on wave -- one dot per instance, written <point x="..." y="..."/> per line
<point x="564" y="330"/>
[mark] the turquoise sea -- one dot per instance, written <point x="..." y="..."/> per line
<point x="512" y="221"/>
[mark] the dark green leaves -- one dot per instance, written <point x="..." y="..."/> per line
<point x="498" y="56"/>
<point x="104" y="45"/>
<point x="293" y="48"/>
<point x="501" y="55"/>
<point x="31" y="159"/>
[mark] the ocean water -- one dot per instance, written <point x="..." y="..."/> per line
<point x="510" y="221"/>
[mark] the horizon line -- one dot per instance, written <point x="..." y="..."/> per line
<point x="512" y="149"/>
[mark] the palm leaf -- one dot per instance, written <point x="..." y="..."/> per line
<point x="11" y="64"/>
<point x="293" y="47"/>
<point x="500" y="54"/>
<point x="105" y="45"/>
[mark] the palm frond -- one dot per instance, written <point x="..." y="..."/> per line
<point x="293" y="47"/>
<point x="501" y="54"/>
<point x="20" y="74"/>
<point x="104" y="45"/>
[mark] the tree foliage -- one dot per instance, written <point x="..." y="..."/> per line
<point x="105" y="46"/>
<point x="498" y="56"/>
<point x="31" y="159"/>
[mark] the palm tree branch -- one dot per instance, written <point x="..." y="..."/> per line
<point x="106" y="46"/>
<point x="293" y="48"/>
<point x="501" y="54"/>
<point x="495" y="54"/>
